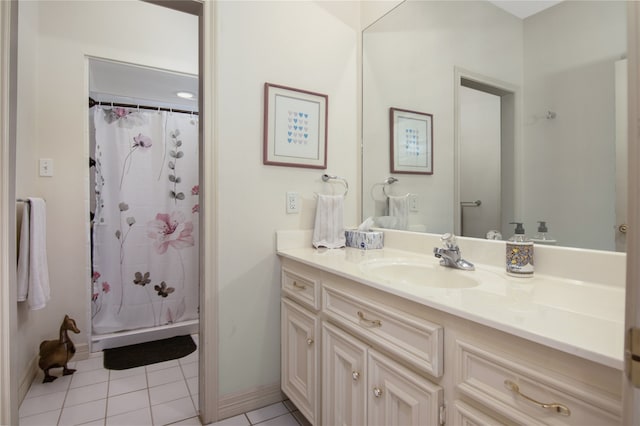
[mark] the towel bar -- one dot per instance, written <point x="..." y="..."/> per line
<point x="326" y="178"/>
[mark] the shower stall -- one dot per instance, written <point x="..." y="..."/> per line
<point x="144" y="208"/>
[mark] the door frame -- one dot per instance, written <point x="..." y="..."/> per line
<point x="208" y="347"/>
<point x="511" y="131"/>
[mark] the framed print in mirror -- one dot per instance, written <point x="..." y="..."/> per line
<point x="295" y="127"/>
<point x="411" y="141"/>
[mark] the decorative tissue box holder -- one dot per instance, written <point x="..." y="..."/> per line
<point x="365" y="240"/>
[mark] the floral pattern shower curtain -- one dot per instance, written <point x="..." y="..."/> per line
<point x="145" y="229"/>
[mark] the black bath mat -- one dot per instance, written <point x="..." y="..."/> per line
<point x="140" y="354"/>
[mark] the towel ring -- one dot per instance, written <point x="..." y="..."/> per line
<point x="326" y="178"/>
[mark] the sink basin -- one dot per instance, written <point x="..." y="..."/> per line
<point x="407" y="271"/>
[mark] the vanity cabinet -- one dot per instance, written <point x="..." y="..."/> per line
<point x="361" y="386"/>
<point x="354" y="354"/>
<point x="300" y="342"/>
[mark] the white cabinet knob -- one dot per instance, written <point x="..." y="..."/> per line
<point x="377" y="392"/>
<point x="355" y="376"/>
<point x="309" y="341"/>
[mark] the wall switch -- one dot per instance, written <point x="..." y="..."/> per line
<point x="293" y="202"/>
<point x="46" y="167"/>
<point x="413" y="203"/>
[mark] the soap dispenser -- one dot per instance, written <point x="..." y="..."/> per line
<point x="542" y="237"/>
<point x="519" y="253"/>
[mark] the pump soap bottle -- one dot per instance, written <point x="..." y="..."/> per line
<point x="542" y="237"/>
<point x="519" y="253"/>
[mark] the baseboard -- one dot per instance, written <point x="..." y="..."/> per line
<point x="240" y="402"/>
<point x="82" y="352"/>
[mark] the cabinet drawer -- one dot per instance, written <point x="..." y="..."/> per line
<point x="515" y="390"/>
<point x="410" y="338"/>
<point x="302" y="287"/>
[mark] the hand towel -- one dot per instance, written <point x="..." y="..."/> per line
<point x="39" y="292"/>
<point x="399" y="208"/>
<point x="23" y="255"/>
<point x="329" y="227"/>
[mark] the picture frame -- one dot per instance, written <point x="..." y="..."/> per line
<point x="411" y="141"/>
<point x="295" y="127"/>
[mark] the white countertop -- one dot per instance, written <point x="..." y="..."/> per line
<point x="582" y="318"/>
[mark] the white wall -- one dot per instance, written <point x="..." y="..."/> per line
<point x="55" y="37"/>
<point x="409" y="61"/>
<point x="305" y="45"/>
<point x="570" y="52"/>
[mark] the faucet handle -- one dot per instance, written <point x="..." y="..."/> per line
<point x="449" y="240"/>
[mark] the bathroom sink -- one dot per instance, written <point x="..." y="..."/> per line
<point x="408" y="271"/>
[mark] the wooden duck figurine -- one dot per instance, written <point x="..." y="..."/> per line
<point x="57" y="353"/>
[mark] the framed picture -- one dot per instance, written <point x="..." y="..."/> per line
<point x="411" y="142"/>
<point x="295" y="127"/>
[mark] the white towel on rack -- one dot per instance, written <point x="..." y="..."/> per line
<point x="329" y="227"/>
<point x="33" y="262"/>
<point x="399" y="208"/>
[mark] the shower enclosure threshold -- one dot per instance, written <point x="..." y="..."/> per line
<point x="131" y="337"/>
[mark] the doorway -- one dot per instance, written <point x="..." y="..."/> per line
<point x="485" y="150"/>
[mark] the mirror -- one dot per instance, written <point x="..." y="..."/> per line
<point x="557" y="83"/>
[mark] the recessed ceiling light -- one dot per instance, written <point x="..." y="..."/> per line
<point x="185" y="95"/>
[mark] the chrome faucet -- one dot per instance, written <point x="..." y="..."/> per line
<point x="449" y="254"/>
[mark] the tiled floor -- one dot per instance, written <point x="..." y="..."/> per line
<point x="158" y="394"/>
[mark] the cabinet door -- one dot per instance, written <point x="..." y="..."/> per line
<point x="300" y="358"/>
<point x="397" y="396"/>
<point x="344" y="369"/>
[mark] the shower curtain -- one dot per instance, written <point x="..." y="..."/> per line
<point x="145" y="227"/>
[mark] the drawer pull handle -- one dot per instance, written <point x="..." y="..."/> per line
<point x="377" y="392"/>
<point x="374" y="323"/>
<point x="298" y="286"/>
<point x="355" y="376"/>
<point x="309" y="341"/>
<point x="553" y="406"/>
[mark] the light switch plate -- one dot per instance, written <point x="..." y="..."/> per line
<point x="413" y="203"/>
<point x="46" y="167"/>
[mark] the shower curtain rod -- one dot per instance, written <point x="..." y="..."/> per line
<point x="93" y="102"/>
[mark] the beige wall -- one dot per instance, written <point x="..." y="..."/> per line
<point x="306" y="45"/>
<point x="569" y="54"/>
<point x="409" y="61"/>
<point x="56" y="38"/>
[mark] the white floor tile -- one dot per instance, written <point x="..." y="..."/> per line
<point x="173" y="411"/>
<point x="190" y="370"/>
<point x="83" y="413"/>
<point x="192" y="384"/>
<point x="127" y="384"/>
<point x="162" y="365"/>
<point x="266" y="413"/>
<point x="40" y="404"/>
<point x="89" y="364"/>
<point x="240" y="420"/>
<point x="168" y="392"/>
<point x="120" y="374"/>
<point x="38" y="388"/>
<point x="84" y="378"/>
<point x="48" y="418"/>
<point x="99" y="422"/>
<point x="84" y="394"/>
<point x="140" y="417"/>
<point x="286" y="420"/>
<point x="127" y="402"/>
<point x="192" y="357"/>
<point x="193" y="421"/>
<point x="160" y="377"/>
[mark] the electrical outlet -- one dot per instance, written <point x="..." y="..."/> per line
<point x="413" y="203"/>
<point x="293" y="202"/>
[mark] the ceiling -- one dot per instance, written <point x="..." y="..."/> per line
<point x="111" y="81"/>
<point x="524" y="8"/>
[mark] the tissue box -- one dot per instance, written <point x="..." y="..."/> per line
<point x="365" y="240"/>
